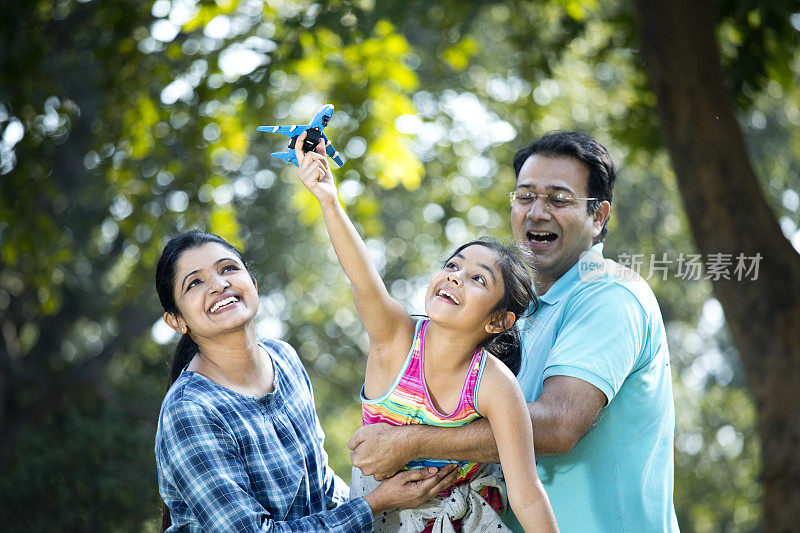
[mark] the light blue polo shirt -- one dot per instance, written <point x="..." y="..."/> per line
<point x="601" y="323"/>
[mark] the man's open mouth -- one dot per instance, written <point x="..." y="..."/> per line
<point x="541" y="236"/>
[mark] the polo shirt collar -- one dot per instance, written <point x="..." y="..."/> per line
<point x="564" y="284"/>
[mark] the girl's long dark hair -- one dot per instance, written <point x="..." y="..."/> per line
<point x="165" y="286"/>
<point x="518" y="297"/>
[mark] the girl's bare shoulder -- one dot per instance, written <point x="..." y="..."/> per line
<point x="498" y="385"/>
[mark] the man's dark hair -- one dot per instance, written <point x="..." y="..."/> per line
<point x="583" y="148"/>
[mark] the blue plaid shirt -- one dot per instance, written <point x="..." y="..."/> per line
<point x="230" y="462"/>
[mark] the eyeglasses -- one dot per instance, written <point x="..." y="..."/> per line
<point x="555" y="200"/>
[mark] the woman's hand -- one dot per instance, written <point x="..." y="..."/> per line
<point x="411" y="488"/>
<point x="315" y="173"/>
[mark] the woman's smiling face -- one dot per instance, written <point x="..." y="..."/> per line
<point x="213" y="290"/>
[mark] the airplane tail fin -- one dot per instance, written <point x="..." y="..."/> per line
<point x="331" y="151"/>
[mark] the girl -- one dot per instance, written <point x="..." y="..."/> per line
<point x="437" y="371"/>
<point x="238" y="445"/>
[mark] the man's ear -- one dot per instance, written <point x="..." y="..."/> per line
<point x="501" y="321"/>
<point x="600" y="216"/>
<point x="175" y="322"/>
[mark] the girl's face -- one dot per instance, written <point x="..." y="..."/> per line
<point x="213" y="291"/>
<point x="464" y="292"/>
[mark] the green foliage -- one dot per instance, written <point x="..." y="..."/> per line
<point x="758" y="41"/>
<point x="713" y="452"/>
<point x="138" y="124"/>
<point x="84" y="467"/>
<point x="717" y="454"/>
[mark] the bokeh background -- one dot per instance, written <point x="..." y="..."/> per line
<point x="125" y="122"/>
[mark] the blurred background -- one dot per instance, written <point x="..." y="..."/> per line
<point x="125" y="122"/>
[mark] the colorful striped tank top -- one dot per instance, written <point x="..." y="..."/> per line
<point x="407" y="401"/>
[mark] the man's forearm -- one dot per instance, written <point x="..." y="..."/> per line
<point x="475" y="441"/>
<point x="381" y="450"/>
<point x="472" y="442"/>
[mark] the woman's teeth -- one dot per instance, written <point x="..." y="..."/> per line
<point x="222" y="303"/>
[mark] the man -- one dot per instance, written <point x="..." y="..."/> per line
<point x="595" y="360"/>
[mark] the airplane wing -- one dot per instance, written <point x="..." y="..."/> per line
<point x="331" y="151"/>
<point x="289" y="157"/>
<point x="289" y="131"/>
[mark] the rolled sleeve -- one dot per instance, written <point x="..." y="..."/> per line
<point x="601" y="338"/>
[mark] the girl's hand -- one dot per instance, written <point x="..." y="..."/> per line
<point x="411" y="488"/>
<point x="315" y="173"/>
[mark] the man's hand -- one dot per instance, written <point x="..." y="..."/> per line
<point x="380" y="450"/>
<point x="411" y="488"/>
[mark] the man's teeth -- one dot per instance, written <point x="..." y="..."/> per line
<point x="448" y="294"/>
<point x="222" y="303"/>
<point x="542" y="236"/>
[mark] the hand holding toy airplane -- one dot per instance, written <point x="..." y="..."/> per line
<point x="314" y="130"/>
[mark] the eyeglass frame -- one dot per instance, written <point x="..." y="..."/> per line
<point x="546" y="198"/>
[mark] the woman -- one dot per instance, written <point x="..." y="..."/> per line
<point x="239" y="445"/>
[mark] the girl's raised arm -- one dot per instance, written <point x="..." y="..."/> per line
<point x="500" y="400"/>
<point x="383" y="316"/>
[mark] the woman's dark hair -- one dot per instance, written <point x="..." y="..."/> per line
<point x="165" y="286"/>
<point x="518" y="296"/>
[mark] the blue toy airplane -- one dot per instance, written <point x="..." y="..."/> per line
<point x="314" y="130"/>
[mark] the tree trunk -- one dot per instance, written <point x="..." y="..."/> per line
<point x="728" y="214"/>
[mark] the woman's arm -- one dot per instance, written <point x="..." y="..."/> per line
<point x="500" y="400"/>
<point x="199" y="464"/>
<point x="383" y="316"/>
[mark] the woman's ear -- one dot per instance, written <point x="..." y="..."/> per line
<point x="501" y="321"/>
<point x="175" y="322"/>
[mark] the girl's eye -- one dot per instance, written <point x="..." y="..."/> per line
<point x="451" y="265"/>
<point x="480" y="279"/>
<point x="192" y="284"/>
<point x="229" y="267"/>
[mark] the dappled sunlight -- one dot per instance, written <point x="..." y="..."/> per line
<point x="143" y="124"/>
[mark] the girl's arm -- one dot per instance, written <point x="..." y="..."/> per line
<point x="383" y="317"/>
<point x="500" y="400"/>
